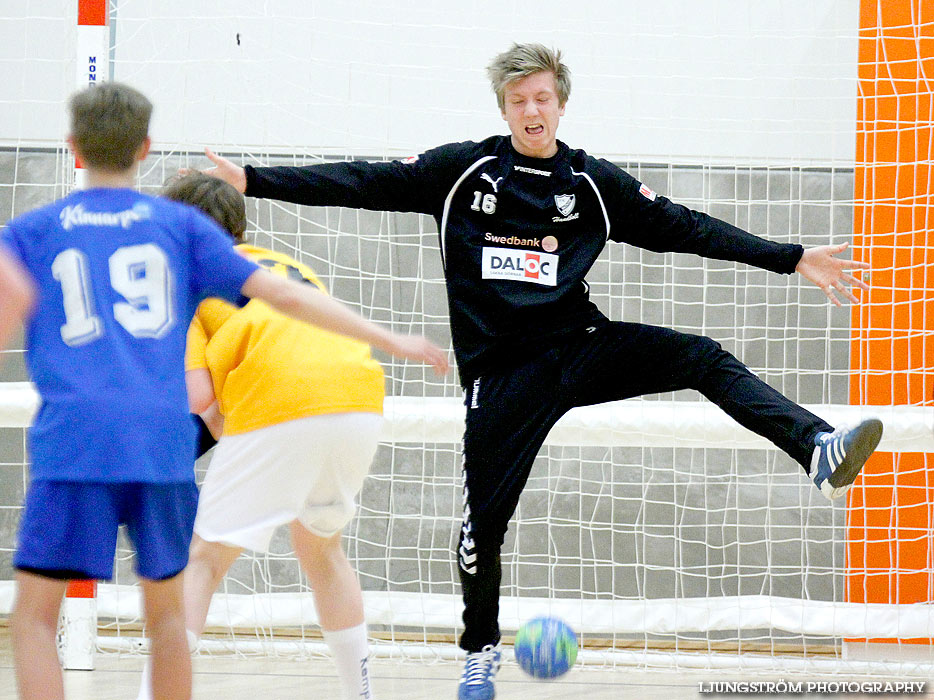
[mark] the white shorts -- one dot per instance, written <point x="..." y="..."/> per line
<point x="311" y="469"/>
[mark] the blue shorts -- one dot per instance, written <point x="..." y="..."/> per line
<point x="72" y="526"/>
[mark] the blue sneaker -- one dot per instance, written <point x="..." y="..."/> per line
<point x="479" y="672"/>
<point x="838" y="456"/>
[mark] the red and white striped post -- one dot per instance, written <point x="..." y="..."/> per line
<point x="78" y="639"/>
<point x="79" y="611"/>
<point x="92" y="53"/>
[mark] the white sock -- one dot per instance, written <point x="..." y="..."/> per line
<point x="145" y="686"/>
<point x="351" y="653"/>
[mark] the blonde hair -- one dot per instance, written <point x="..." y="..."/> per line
<point x="523" y="60"/>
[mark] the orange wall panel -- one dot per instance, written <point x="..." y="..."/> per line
<point x="890" y="514"/>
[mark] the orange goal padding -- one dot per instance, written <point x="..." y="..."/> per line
<point x="890" y="513"/>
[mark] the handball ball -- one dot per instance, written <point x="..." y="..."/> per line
<point x="546" y="647"/>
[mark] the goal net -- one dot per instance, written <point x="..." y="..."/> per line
<point x="663" y="533"/>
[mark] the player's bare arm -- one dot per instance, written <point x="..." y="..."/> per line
<point x="821" y="266"/>
<point x="307" y="304"/>
<point x="17" y="296"/>
<point x="213" y="420"/>
<point x="202" y="401"/>
<point x="200" y="388"/>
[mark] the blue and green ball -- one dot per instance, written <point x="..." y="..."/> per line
<point x="546" y="647"/>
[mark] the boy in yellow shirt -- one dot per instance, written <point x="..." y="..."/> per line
<point x="297" y="412"/>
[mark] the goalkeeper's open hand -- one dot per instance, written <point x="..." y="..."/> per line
<point x="223" y="169"/>
<point x="820" y="266"/>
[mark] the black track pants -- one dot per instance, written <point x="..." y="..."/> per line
<point x="509" y="414"/>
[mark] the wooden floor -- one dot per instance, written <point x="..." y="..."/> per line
<point x="116" y="677"/>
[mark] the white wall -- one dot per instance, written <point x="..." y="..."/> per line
<point x="735" y="81"/>
<point x="37" y="69"/>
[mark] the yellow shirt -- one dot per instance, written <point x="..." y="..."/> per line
<point x="268" y="368"/>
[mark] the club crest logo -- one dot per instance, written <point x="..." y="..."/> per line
<point x="565" y="203"/>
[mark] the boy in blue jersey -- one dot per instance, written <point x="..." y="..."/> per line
<point x="106" y="281"/>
